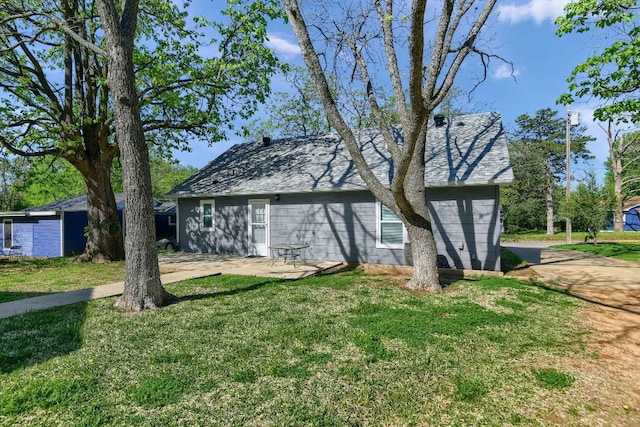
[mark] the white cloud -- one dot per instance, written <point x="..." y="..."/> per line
<point x="283" y="47"/>
<point x="537" y="10"/>
<point x="504" y="71"/>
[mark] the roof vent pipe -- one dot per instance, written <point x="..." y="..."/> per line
<point x="266" y="141"/>
<point x="439" y="120"/>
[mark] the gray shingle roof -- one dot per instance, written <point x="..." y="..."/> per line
<point x="467" y="150"/>
<point x="72" y="204"/>
<point x="79" y="203"/>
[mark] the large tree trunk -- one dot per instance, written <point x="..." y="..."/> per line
<point x="616" y="169"/>
<point x="142" y="287"/>
<point x="549" y="200"/>
<point x="549" y="203"/>
<point x="418" y="225"/>
<point x="425" y="256"/>
<point x="618" y="209"/>
<point x="104" y="238"/>
<point x="104" y="234"/>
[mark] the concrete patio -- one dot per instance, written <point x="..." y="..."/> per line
<point x="246" y="266"/>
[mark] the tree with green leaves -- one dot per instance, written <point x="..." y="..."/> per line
<point x="166" y="173"/>
<point x="538" y="151"/>
<point x="623" y="170"/>
<point x="48" y="179"/>
<point x="56" y="101"/>
<point x="297" y="112"/>
<point x="35" y="182"/>
<point x="364" y="41"/>
<point x="142" y="287"/>
<point x="612" y="76"/>
<point x="523" y="202"/>
<point x="588" y="207"/>
<point x="12" y="176"/>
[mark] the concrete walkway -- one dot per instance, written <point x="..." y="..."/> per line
<point x="174" y="268"/>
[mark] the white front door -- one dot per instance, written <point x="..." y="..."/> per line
<point x="259" y="227"/>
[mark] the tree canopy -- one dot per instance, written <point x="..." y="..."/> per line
<point x="612" y="76"/>
<point x="622" y="179"/>
<point x="538" y="154"/>
<point x="55" y="100"/>
<point x="588" y="206"/>
<point x="415" y="51"/>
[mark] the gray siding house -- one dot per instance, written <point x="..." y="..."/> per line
<point x="308" y="191"/>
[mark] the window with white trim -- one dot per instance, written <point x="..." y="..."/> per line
<point x="390" y="229"/>
<point x="207" y="213"/>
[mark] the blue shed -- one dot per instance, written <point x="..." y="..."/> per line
<point x="631" y="214"/>
<point x="57" y="229"/>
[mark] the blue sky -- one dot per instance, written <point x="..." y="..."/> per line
<point x="523" y="32"/>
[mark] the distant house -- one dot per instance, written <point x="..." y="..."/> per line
<point x="58" y="228"/>
<point x="630" y="215"/>
<point x="308" y="191"/>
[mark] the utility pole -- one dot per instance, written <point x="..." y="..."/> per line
<point x="573" y="119"/>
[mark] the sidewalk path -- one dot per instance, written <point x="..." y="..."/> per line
<point x="178" y="266"/>
<point x="13" y="308"/>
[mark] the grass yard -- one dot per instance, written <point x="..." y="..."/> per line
<point x="343" y="349"/>
<point x="576" y="236"/>
<point x="626" y="251"/>
<point x="29" y="277"/>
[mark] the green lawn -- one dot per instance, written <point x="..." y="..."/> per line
<point x="626" y="251"/>
<point x="29" y="277"/>
<point x="344" y="349"/>
<point x="576" y="236"/>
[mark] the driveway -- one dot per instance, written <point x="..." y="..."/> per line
<point x="573" y="268"/>
<point x="528" y="251"/>
<point x="595" y="278"/>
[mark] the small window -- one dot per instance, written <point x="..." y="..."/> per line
<point x="390" y="229"/>
<point x="207" y="210"/>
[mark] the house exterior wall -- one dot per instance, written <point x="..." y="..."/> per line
<point x="337" y="226"/>
<point x="23" y="230"/>
<point x="74" y="238"/>
<point x="165" y="225"/>
<point x="230" y="235"/>
<point x="341" y="226"/>
<point x="466" y="223"/>
<point x="46" y="238"/>
<point x="38" y="236"/>
<point x="632" y="219"/>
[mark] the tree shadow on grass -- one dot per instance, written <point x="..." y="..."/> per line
<point x="37" y="336"/>
<point x="342" y="268"/>
<point x="231" y="292"/>
<point x="8" y="296"/>
<point x="631" y="305"/>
